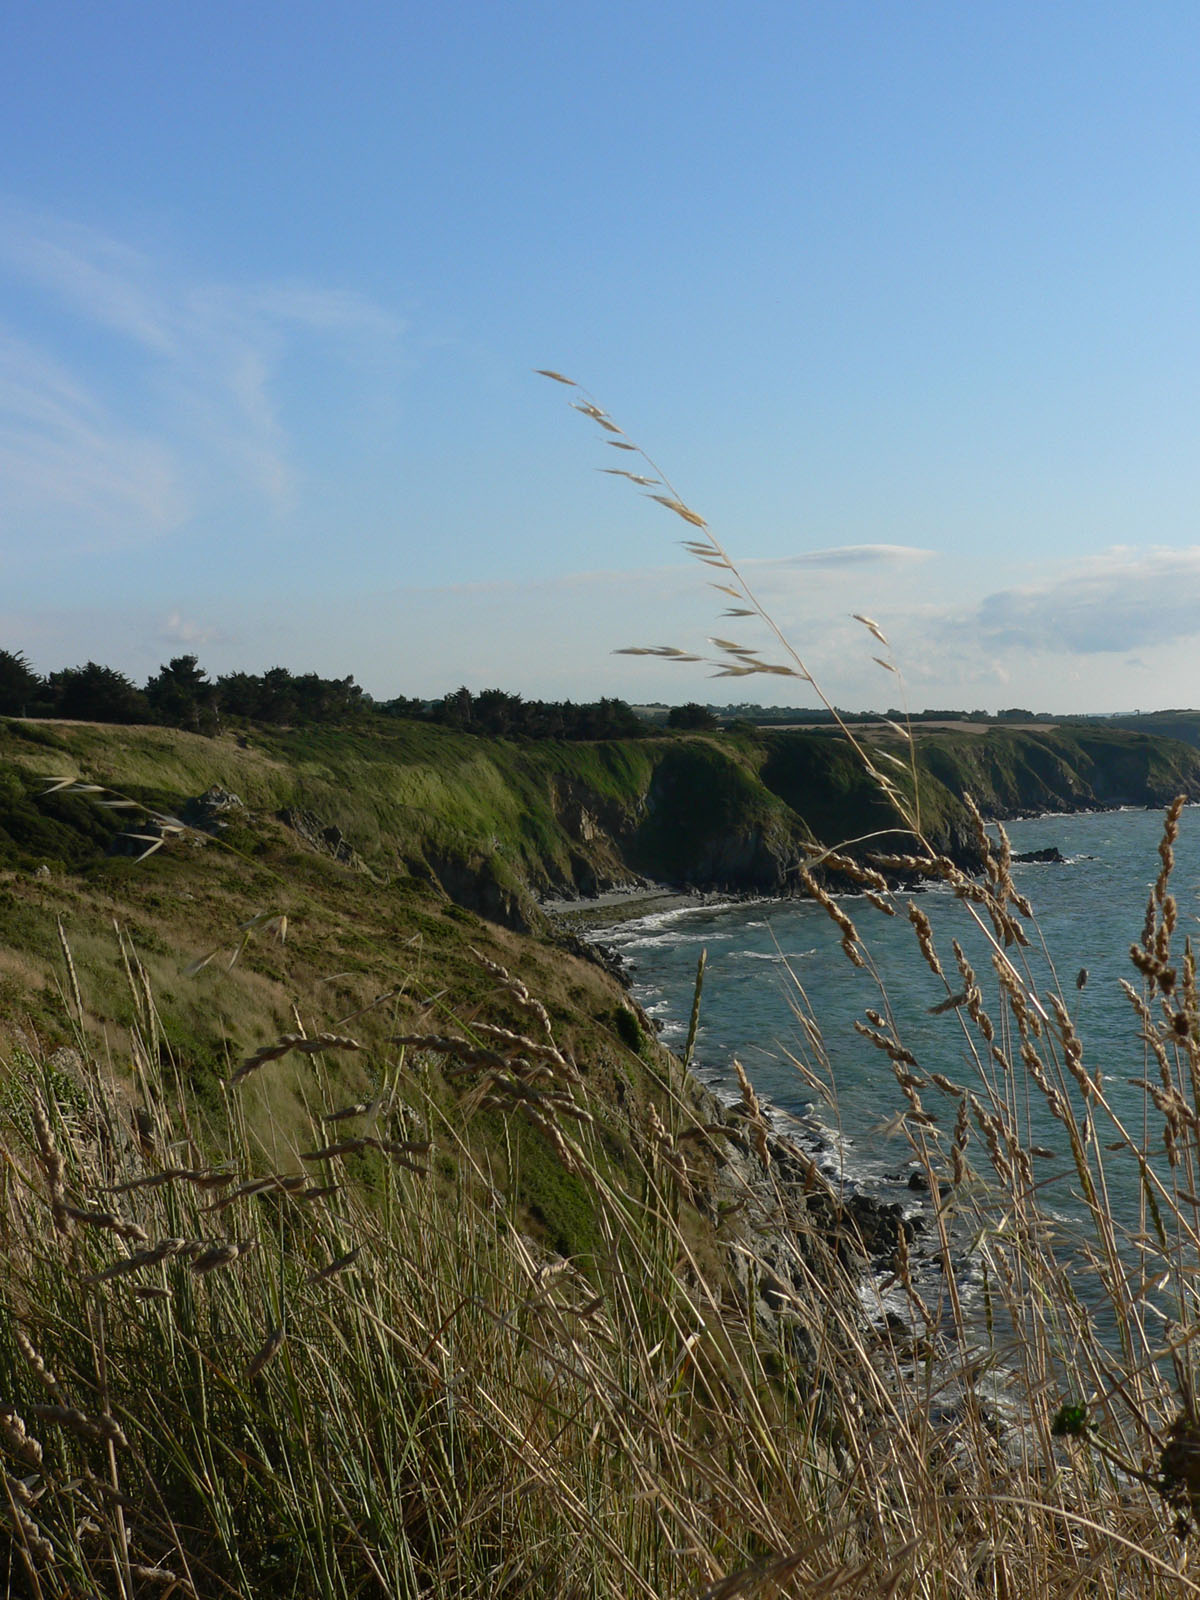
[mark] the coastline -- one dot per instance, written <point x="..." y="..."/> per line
<point x="860" y="1217"/>
<point x="855" y="1168"/>
<point x="630" y="904"/>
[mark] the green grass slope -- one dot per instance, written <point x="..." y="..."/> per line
<point x="496" y="822"/>
<point x="249" y="933"/>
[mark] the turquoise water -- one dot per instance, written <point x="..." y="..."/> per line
<point x="1089" y="910"/>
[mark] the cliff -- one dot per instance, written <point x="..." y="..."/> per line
<point x="496" y="823"/>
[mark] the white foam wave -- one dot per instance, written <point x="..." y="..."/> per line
<point x="776" y="956"/>
<point x="670" y="941"/>
<point x="664" y="919"/>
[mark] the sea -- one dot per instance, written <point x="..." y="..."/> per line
<point x="771" y="963"/>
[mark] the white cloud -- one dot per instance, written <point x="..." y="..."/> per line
<point x="850" y="555"/>
<point x="102" y="279"/>
<point x="330" y="310"/>
<point x="178" y="629"/>
<point x="1118" y="600"/>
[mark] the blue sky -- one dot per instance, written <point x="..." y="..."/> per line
<point x="904" y="298"/>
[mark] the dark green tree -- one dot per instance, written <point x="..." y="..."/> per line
<point x="606" y="719"/>
<point x="497" y="712"/>
<point x="239" y="694"/>
<point x="318" y="699"/>
<point x="20" y="687"/>
<point x="279" y="702"/>
<point x="404" y="706"/>
<point x="181" y="695"/>
<point x="93" y="693"/>
<point x="691" y="716"/>
<point x="456" y="710"/>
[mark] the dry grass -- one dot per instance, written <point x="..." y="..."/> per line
<point x="329" y="1378"/>
<point x="321" y="1354"/>
<point x="361" y="1387"/>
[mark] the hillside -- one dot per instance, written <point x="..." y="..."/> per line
<point x="1181" y="725"/>
<point x="245" y="915"/>
<point x="496" y="823"/>
<point x="361" y="1244"/>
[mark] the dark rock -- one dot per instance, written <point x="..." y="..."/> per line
<point x="210" y="811"/>
<point x="330" y="841"/>
<point x="919" y="1183"/>
<point x="218" y="799"/>
<point x="478" y="883"/>
<point x="600" y="955"/>
<point x="879" y="1224"/>
<point x="1050" y="853"/>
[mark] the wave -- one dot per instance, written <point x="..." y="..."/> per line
<point x="663" y="919"/>
<point x="667" y="941"/>
<point x="776" y="956"/>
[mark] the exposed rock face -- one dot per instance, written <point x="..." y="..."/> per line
<point x="476" y="885"/>
<point x="587" y="827"/>
<point x="330" y="841"/>
<point x="708" y="822"/>
<point x="600" y="830"/>
<point x="212" y="809"/>
<point x="753" y="861"/>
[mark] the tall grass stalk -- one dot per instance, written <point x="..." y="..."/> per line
<point x="1092" y="1337"/>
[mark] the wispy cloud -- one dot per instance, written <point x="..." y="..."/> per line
<point x="1118" y="600"/>
<point x="178" y="629"/>
<point x="177" y="407"/>
<point x="688" y="578"/>
<point x="65" y="457"/>
<point x="103" y="279"/>
<point x="850" y="555"/>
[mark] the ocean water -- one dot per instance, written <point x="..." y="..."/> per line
<point x="765" y="959"/>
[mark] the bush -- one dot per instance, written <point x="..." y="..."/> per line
<point x="693" y="717"/>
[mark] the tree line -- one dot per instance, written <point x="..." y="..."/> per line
<point x="182" y="695"/>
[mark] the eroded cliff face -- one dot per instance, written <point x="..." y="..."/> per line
<point x="498" y="823"/>
<point x="743" y="814"/>
<point x="709" y="822"/>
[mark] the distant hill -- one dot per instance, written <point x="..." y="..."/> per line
<point x="1181" y="725"/>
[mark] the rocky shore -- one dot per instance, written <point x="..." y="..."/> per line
<point x="801" y="1213"/>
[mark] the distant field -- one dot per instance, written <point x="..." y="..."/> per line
<point x="883" y="729"/>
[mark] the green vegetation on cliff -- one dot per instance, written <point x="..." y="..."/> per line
<point x="495" y="821"/>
